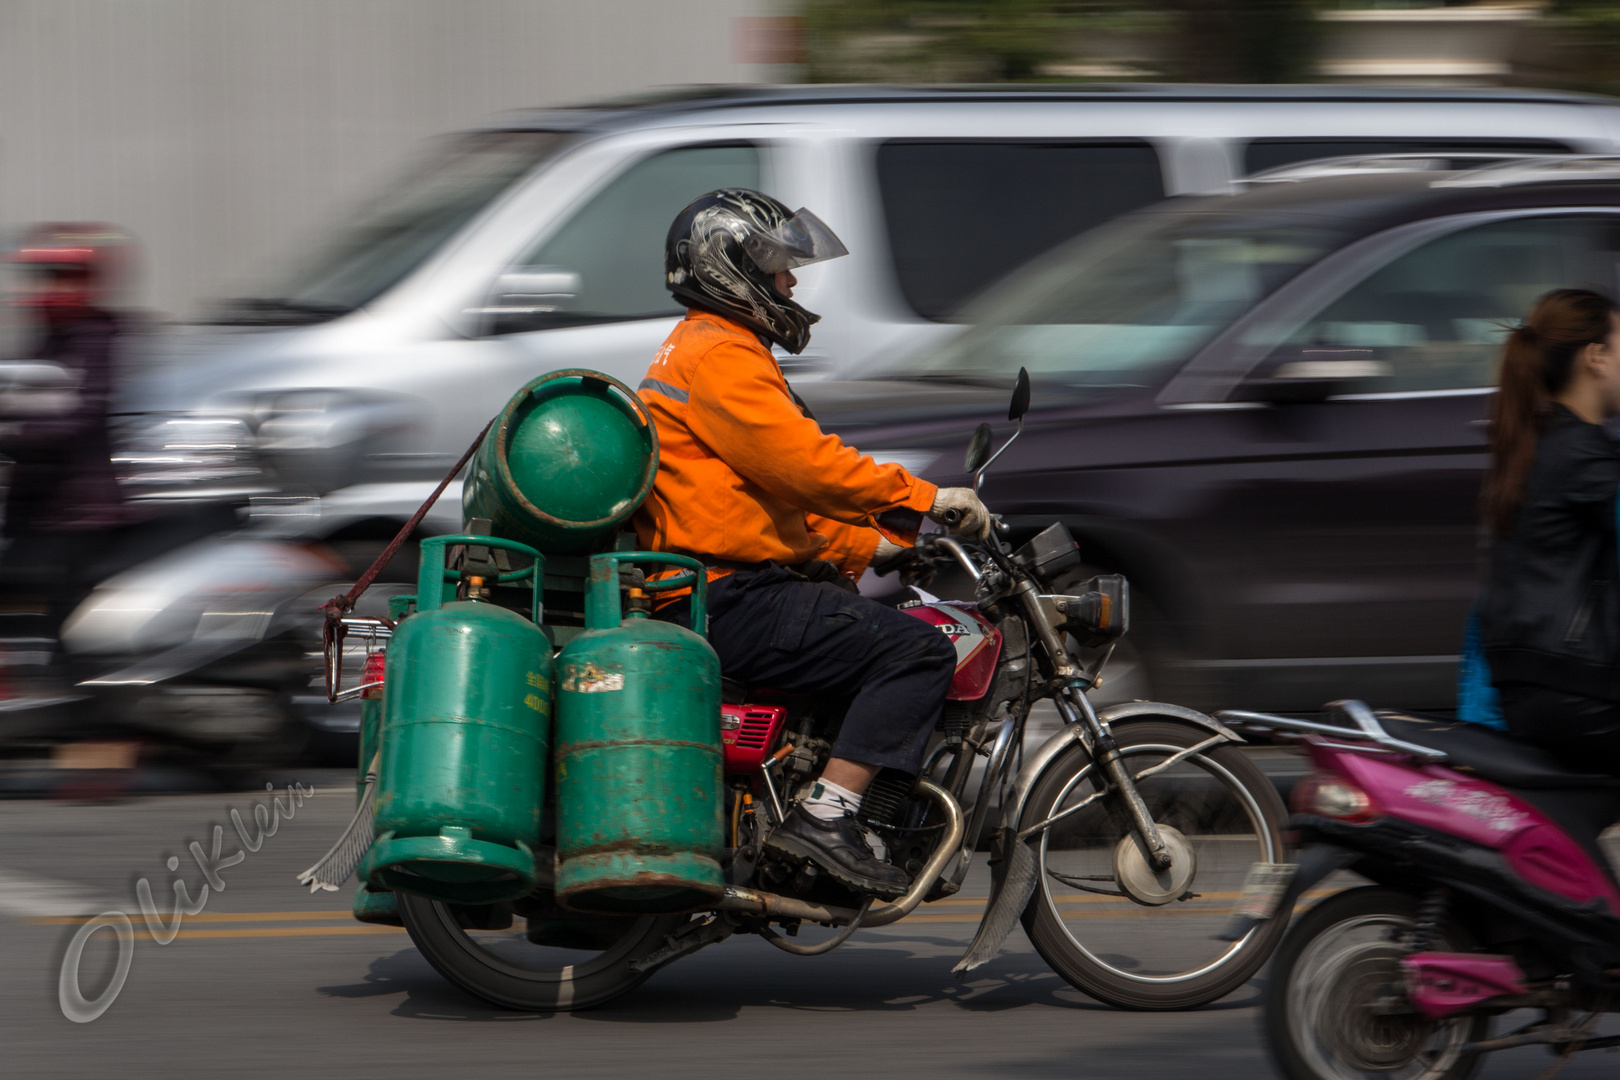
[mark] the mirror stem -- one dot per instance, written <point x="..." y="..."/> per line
<point x="978" y="477"/>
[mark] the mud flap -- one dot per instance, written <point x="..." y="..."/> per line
<point x="1315" y="863"/>
<point x="1013" y="876"/>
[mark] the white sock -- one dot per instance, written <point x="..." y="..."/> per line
<point x="828" y="800"/>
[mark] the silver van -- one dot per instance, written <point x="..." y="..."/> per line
<point x="534" y="244"/>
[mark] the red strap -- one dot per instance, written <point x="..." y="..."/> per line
<point x="339" y="606"/>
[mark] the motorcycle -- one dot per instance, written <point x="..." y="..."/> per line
<point x="1120" y="841"/>
<point x="1490" y="893"/>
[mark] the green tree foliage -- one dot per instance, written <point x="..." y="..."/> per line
<point x="1035" y="40"/>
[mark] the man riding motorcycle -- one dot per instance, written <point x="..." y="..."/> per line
<point x="787" y="517"/>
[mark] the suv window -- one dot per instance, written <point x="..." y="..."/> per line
<point x="606" y="263"/>
<point x="961" y="214"/>
<point x="1436" y="315"/>
<point x="1263" y="154"/>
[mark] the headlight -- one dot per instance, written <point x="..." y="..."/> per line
<point x="188" y="457"/>
<point x="317" y="441"/>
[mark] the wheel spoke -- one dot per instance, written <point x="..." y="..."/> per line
<point x="1172" y="936"/>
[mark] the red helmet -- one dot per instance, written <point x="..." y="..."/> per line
<point x="67" y="267"/>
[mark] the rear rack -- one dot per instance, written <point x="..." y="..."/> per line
<point x="1365" y="720"/>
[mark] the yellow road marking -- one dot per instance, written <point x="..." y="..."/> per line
<point x="220" y="916"/>
<point x="291" y="931"/>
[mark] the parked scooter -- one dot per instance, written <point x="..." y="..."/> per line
<point x="1491" y="894"/>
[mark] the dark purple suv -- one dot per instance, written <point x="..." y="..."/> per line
<point x="1268" y="410"/>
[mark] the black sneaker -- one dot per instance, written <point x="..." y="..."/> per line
<point x="839" y="848"/>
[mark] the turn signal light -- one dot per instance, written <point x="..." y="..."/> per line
<point x="1327" y="794"/>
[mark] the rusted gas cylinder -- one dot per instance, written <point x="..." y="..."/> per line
<point x="466" y="727"/>
<point x="638" y="753"/>
<point x="567" y="462"/>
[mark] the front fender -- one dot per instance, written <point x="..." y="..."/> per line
<point x="1012" y="807"/>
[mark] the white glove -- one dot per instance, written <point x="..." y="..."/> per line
<point x="972" y="519"/>
<point x="886" y="549"/>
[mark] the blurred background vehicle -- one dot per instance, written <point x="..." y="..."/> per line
<point x="1268" y="410"/>
<point x="360" y="373"/>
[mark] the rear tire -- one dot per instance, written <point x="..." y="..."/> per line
<point x="1318" y="1019"/>
<point x="503" y="969"/>
<point x="1151" y="975"/>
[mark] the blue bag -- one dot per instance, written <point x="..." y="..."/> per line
<point x="1476" y="698"/>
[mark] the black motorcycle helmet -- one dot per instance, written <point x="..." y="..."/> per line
<point x="724" y="250"/>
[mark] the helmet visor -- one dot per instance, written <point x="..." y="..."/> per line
<point x="799" y="241"/>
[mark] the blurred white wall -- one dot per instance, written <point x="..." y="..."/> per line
<point x="221" y="132"/>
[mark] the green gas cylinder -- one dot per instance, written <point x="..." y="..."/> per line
<point x="566" y="463"/>
<point x="639" y="824"/>
<point x="465" y="733"/>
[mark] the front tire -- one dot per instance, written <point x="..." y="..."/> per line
<point x="1134" y="956"/>
<point x="1324" y="1018"/>
<point x="505" y="969"/>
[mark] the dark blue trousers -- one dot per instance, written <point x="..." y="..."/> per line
<point x="777" y="631"/>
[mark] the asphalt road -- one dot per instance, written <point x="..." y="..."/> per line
<point x="269" y="981"/>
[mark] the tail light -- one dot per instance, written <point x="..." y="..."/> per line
<point x="746" y="732"/>
<point x="371" y="677"/>
<point x="1332" y="795"/>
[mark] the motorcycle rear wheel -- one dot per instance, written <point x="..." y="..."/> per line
<point x="1318" y="1019"/>
<point x="1134" y="956"/>
<point x="504" y="969"/>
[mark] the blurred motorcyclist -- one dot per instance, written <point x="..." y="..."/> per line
<point x="62" y="497"/>
<point x="1550" y="613"/>
<point x="786" y="517"/>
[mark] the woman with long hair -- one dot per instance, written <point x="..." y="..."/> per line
<point x="1550" y="613"/>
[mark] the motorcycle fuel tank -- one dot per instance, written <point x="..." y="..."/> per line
<point x="977" y="642"/>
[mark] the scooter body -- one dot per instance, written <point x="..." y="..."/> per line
<point x="1491" y="893"/>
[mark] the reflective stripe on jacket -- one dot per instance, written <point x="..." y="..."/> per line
<point x="745" y="476"/>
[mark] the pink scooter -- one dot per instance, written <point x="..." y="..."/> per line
<point x="1491" y="894"/>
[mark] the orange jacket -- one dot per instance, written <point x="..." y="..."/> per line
<point x="745" y="476"/>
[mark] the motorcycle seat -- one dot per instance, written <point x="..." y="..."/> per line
<point x="1492" y="755"/>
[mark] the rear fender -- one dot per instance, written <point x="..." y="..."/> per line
<point x="1127" y="712"/>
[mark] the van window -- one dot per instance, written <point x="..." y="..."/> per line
<point x="1263" y="154"/>
<point x="961" y="214"/>
<point x="610" y="254"/>
<point x="1126" y="304"/>
<point x="383" y="242"/>
<point x="1436" y="316"/>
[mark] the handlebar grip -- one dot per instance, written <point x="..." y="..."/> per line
<point x="950" y="518"/>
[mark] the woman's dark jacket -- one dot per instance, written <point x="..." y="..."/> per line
<point x="1550" y="613"/>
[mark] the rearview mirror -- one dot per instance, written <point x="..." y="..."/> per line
<point x="978" y="451"/>
<point x="1020" y="397"/>
<point x="1313" y="373"/>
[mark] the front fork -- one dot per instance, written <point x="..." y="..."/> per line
<point x="1076" y="709"/>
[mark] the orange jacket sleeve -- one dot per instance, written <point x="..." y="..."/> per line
<point x="739" y="406"/>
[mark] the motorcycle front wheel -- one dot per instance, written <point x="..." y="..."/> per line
<point x="1221" y="814"/>
<point x="1332" y="1010"/>
<point x="570" y="963"/>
